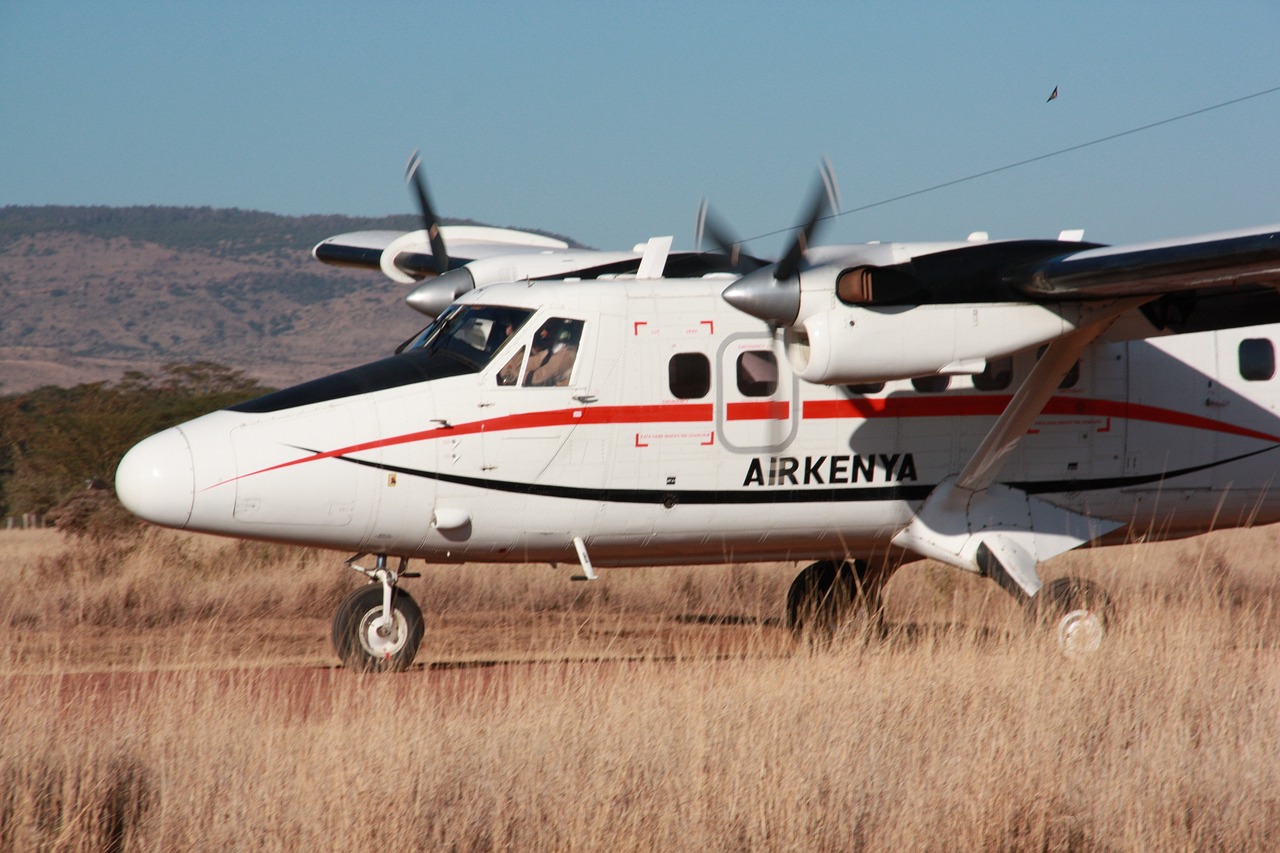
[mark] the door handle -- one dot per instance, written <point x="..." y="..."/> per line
<point x="585" y="398"/>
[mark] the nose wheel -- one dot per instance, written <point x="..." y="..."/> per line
<point x="378" y="627"/>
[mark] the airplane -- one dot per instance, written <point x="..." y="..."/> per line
<point x="989" y="404"/>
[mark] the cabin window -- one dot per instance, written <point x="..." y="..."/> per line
<point x="757" y="373"/>
<point x="931" y="384"/>
<point x="865" y="388"/>
<point x="996" y="376"/>
<point x="553" y="353"/>
<point x="1257" y="359"/>
<point x="689" y="375"/>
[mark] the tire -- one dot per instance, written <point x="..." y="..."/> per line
<point x="1079" y="611"/>
<point x="356" y="640"/>
<point x="827" y="599"/>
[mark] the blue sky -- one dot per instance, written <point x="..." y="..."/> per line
<point x="608" y="122"/>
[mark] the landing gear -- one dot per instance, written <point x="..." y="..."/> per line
<point x="378" y="627"/>
<point x="1080" y="611"/>
<point x="834" y="597"/>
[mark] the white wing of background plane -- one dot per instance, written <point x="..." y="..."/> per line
<point x="453" y="259"/>
<point x="406" y="257"/>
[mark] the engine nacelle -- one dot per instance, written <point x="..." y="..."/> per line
<point x="845" y="345"/>
<point x="436" y="294"/>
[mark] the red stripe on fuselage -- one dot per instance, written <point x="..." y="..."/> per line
<point x="869" y="408"/>
<point x="865" y="408"/>
<point x="677" y="413"/>
<point x="763" y="410"/>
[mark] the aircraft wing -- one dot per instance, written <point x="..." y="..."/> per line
<point x="406" y="257"/>
<point x="1229" y="259"/>
<point x="1216" y="281"/>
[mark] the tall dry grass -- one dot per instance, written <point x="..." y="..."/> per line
<point x="959" y="731"/>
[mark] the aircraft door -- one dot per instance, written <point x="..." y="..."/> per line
<point x="756" y="392"/>
<point x="1172" y="381"/>
<point x="534" y="395"/>
<point x="1244" y="397"/>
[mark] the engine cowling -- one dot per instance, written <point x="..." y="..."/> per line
<point x="844" y="344"/>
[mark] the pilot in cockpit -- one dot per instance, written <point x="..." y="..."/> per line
<point x="558" y="364"/>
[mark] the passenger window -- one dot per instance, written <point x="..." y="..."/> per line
<point x="997" y="375"/>
<point x="931" y="384"/>
<point x="689" y="375"/>
<point x="553" y="352"/>
<point x="865" y="388"/>
<point x="510" y="372"/>
<point x="1257" y="359"/>
<point x="757" y="373"/>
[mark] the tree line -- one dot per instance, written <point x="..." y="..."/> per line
<point x="57" y="444"/>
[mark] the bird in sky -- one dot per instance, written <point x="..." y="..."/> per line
<point x="1053" y="95"/>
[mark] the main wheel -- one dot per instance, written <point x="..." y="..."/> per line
<point x="831" y="597"/>
<point x="1080" y="611"/>
<point x="364" y="644"/>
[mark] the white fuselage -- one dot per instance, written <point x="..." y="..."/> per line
<point x="682" y="435"/>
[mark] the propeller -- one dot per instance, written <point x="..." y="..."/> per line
<point x="708" y="226"/>
<point x="436" y="294"/>
<point x="773" y="293"/>
<point x="824" y="202"/>
<point x="430" y="222"/>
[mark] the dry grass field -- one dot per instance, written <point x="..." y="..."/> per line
<point x="178" y="692"/>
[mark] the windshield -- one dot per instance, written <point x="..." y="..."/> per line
<point x="468" y="334"/>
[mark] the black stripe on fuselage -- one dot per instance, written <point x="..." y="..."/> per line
<point x="773" y="495"/>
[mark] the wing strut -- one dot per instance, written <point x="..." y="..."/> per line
<point x="971" y="522"/>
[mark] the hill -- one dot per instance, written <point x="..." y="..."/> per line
<point x="87" y="293"/>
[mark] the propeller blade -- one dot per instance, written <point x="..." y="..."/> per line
<point x="430" y="222"/>
<point x="709" y="226"/>
<point x="824" y="203"/>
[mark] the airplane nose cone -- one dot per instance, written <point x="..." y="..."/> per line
<point x="156" y="479"/>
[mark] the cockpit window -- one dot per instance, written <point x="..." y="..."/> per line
<point x="470" y="334"/>
<point x="462" y="340"/>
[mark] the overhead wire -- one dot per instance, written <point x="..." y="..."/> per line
<point x="1008" y="166"/>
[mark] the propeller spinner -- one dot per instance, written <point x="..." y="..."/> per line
<point x="772" y="293"/>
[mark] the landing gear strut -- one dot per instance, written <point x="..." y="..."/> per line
<point x="834" y="597"/>
<point x="378" y="627"/>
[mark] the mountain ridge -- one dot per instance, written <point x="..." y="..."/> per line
<point x="88" y="293"/>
